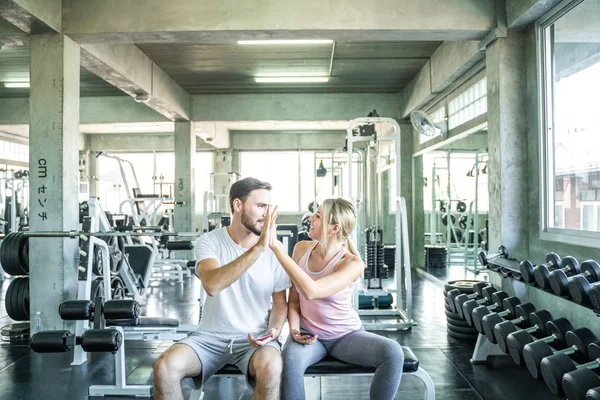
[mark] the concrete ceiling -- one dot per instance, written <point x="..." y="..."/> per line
<point x="373" y="67"/>
<point x="14" y="66"/>
<point x="220" y="68"/>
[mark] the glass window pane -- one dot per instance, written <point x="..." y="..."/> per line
<point x="573" y="128"/>
<point x="204" y="167"/>
<point x="280" y="169"/>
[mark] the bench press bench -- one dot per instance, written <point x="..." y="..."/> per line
<point x="329" y="366"/>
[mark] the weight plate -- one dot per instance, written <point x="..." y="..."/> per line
<point x="20" y="328"/>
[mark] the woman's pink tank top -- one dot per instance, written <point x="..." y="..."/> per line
<point x="330" y="317"/>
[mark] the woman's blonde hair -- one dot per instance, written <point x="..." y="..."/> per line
<point x="342" y="213"/>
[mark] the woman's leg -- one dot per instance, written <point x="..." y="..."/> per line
<point x="296" y="358"/>
<point x="368" y="349"/>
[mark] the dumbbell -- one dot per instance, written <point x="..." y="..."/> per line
<point x="593" y="394"/>
<point x="520" y="315"/>
<point x="502" y="302"/>
<point x="495" y="301"/>
<point x="556" y="331"/>
<point x="454" y="293"/>
<point x="579" y="285"/>
<point x="526" y="270"/>
<point x="555" y="367"/>
<point x="483" y="258"/>
<point x="578" y="383"/>
<point x="484" y="292"/>
<point x="559" y="278"/>
<point x="577" y="342"/>
<point x="537" y="322"/>
<point x="541" y="272"/>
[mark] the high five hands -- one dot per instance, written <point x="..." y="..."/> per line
<point x="268" y="234"/>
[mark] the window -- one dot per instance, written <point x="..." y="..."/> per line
<point x="12" y="151"/>
<point x="204" y="167"/>
<point x="155" y="173"/>
<point x="291" y="173"/>
<point x="570" y="77"/>
<point x="468" y="105"/>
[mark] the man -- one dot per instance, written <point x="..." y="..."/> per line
<point x="240" y="275"/>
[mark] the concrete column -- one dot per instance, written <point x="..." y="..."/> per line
<point x="507" y="139"/>
<point x="92" y="173"/>
<point x="184" y="218"/>
<point x="53" y="160"/>
<point x="418" y="212"/>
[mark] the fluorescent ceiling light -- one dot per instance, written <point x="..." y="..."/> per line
<point x="288" y="74"/>
<point x="16" y="84"/>
<point x="293" y="79"/>
<point x="303" y="41"/>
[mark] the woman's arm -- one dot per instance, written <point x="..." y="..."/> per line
<point x="294" y="320"/>
<point x="348" y="270"/>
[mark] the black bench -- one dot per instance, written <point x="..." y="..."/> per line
<point x="329" y="366"/>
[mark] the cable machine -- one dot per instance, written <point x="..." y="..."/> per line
<point x="399" y="312"/>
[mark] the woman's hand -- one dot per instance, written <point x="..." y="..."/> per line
<point x="303" y="338"/>
<point x="271" y="219"/>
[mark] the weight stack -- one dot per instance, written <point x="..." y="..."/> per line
<point x="389" y="256"/>
<point x="435" y="256"/>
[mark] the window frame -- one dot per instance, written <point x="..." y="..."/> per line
<point x="545" y="80"/>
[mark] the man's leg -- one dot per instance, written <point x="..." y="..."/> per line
<point x="368" y="349"/>
<point x="171" y="367"/>
<point x="265" y="366"/>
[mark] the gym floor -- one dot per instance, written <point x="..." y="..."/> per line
<point x="27" y="375"/>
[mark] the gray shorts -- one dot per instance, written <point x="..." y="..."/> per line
<point x="215" y="351"/>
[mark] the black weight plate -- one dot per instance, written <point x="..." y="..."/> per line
<point x="22" y="248"/>
<point x="462" y="336"/>
<point x="97" y="289"/>
<point x="26" y="299"/>
<point x="21" y="328"/>
<point x="465" y="286"/>
<point x="97" y="261"/>
<point x="9" y="265"/>
<point x="10" y="299"/>
<point x="117" y="288"/>
<point x="461" y="329"/>
<point x="23" y="299"/>
<point x="458" y="322"/>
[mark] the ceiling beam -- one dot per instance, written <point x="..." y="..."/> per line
<point x="293" y="107"/>
<point x="130" y="70"/>
<point x="154" y="21"/>
<point x="447" y="64"/>
<point x="33" y="16"/>
<point x="522" y="13"/>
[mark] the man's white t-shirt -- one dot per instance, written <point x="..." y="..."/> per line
<point x="244" y="306"/>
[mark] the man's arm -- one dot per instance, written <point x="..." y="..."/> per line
<point x="278" y="312"/>
<point x="215" y="279"/>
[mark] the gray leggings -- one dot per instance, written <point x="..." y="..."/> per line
<point x="358" y="347"/>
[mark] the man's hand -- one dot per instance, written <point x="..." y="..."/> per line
<point x="303" y="338"/>
<point x="271" y="335"/>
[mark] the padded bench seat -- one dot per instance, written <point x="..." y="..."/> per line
<point x="329" y="366"/>
<point x="144" y="322"/>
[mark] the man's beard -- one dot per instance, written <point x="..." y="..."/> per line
<point x="247" y="222"/>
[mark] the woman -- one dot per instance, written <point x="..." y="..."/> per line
<point x="320" y="313"/>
